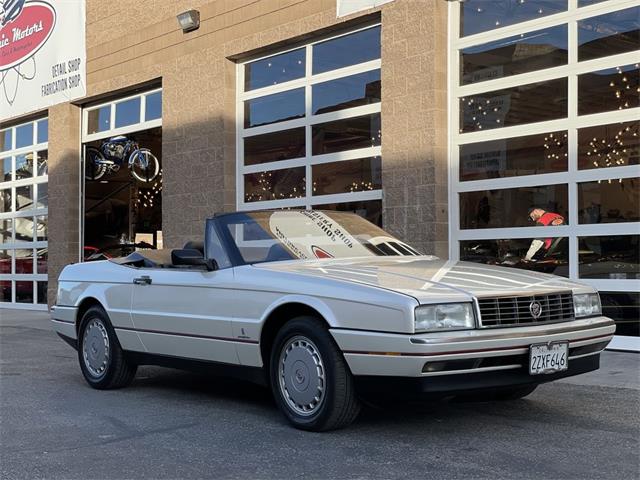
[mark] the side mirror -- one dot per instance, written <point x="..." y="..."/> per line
<point x="192" y="257"/>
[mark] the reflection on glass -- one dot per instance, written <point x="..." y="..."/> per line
<point x="609" y="34"/>
<point x="514" y="106"/>
<point x="41" y="228"/>
<point x="274" y="108"/>
<point x="24" y="229"/>
<point x="275" y="185"/>
<point x="5" y="262"/>
<point x="511" y="157"/>
<point x="43" y="196"/>
<point x="24" y="198"/>
<point x="24" y="292"/>
<point x="370" y="209"/>
<point x="5" y="286"/>
<point x="42" y="158"/>
<point x="274" y="70"/>
<point x="552" y="257"/>
<point x="153" y="106"/>
<point x="42" y="292"/>
<point x="348" y="176"/>
<point x="5" y="200"/>
<point x="5" y="140"/>
<point x="6" y="229"/>
<point x="98" y="120"/>
<point x="514" y="207"/>
<point x="584" y="3"/>
<point x="24" y="135"/>
<point x="611" y="89"/>
<point x="347" y="50"/>
<point x="24" y="166"/>
<point x="624" y="308"/>
<point x="612" y="256"/>
<point x="522" y="53"/>
<point x="128" y="112"/>
<point x="24" y="260"/>
<point x="347" y="134"/>
<point x="612" y="145"/>
<point x="5" y="169"/>
<point x="41" y="260"/>
<point x="609" y="201"/>
<point x="481" y="15"/>
<point x="43" y="130"/>
<point x="347" y="92"/>
<point x="271" y="147"/>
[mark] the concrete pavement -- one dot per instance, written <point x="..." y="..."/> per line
<point x="171" y="424"/>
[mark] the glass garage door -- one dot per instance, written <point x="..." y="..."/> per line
<point x="24" y="202"/>
<point x="545" y="147"/>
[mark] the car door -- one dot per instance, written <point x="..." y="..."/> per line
<point x="184" y="312"/>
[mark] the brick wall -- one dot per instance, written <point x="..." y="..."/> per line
<point x="130" y="43"/>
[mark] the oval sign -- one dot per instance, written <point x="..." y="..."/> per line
<point x="21" y="38"/>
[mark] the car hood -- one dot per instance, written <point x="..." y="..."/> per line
<point x="430" y="279"/>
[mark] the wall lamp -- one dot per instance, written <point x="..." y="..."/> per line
<point x="189" y="20"/>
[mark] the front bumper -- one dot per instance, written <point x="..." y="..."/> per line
<point x="471" y="352"/>
<point x="63" y="321"/>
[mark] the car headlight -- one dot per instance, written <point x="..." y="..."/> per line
<point x="586" y="305"/>
<point x="444" y="316"/>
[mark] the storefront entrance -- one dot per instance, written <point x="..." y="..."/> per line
<point x="122" y="176"/>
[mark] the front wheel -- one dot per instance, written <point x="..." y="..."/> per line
<point x="144" y="165"/>
<point x="102" y="360"/>
<point x="310" y="380"/>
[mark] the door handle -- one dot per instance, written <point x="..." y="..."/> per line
<point x="143" y="280"/>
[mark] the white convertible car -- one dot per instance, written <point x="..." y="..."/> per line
<point x="327" y="308"/>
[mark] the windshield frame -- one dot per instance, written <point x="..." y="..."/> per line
<point x="219" y="224"/>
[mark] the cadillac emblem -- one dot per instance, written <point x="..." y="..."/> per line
<point x="536" y="309"/>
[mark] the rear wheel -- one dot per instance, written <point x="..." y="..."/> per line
<point x="94" y="164"/>
<point x="101" y="358"/>
<point x="310" y="380"/>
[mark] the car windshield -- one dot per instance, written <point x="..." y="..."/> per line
<point x="273" y="236"/>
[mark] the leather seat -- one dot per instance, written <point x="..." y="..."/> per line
<point x="194" y="245"/>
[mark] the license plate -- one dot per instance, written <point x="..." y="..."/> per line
<point x="548" y="358"/>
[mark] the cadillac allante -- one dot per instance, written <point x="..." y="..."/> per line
<point x="327" y="309"/>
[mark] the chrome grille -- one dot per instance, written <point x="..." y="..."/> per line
<point x="516" y="311"/>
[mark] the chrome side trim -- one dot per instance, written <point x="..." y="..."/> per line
<point x="472" y="370"/>
<point x="575" y="357"/>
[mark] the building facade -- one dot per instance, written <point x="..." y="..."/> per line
<point x="452" y="124"/>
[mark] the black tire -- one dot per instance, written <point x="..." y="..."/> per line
<point x="339" y="405"/>
<point x="116" y="371"/>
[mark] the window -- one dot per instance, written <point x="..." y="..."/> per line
<point x="480" y="15"/>
<point x="610" y="89"/>
<point x="512" y="157"/>
<point x="545" y="141"/>
<point x="522" y="53"/>
<point x="609" y="34"/>
<point x="125" y="115"/>
<point x="514" y="106"/>
<point x="24" y="214"/>
<point x="310" y="129"/>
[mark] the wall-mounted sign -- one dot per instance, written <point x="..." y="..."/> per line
<point x="347" y="7"/>
<point x="42" y="54"/>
